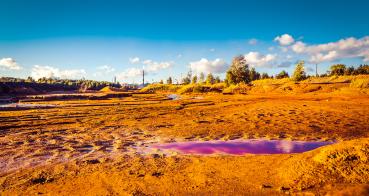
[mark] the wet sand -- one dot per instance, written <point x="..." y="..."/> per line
<point x="90" y="146"/>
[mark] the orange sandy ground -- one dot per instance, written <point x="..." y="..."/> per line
<point x="89" y="146"/>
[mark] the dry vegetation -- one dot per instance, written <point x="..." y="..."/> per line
<point x="312" y="84"/>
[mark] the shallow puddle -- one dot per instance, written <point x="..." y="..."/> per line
<point x="174" y="97"/>
<point x="26" y="105"/>
<point x="240" y="147"/>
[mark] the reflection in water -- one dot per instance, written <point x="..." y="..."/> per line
<point x="174" y="97"/>
<point x="239" y="147"/>
<point x="25" y="105"/>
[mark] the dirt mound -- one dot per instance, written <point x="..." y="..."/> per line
<point x="345" y="162"/>
<point x="111" y="89"/>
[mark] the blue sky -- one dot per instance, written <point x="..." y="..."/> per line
<point x="102" y="39"/>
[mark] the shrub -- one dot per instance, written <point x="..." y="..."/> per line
<point x="282" y="74"/>
<point x="186" y="89"/>
<point x="299" y="73"/>
<point x="199" y="89"/>
<point x="210" y="79"/>
<point x="229" y="89"/>
<point x="360" y="82"/>
<point x="160" y="87"/>
<point x="240" y="88"/>
<point x="218" y="87"/>
<point x="338" y="70"/>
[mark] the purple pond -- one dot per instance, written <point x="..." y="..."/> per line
<point x="240" y="147"/>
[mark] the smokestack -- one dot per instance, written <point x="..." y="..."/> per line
<point x="143" y="77"/>
<point x="316" y="70"/>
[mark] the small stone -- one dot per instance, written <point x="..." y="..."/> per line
<point x="266" y="186"/>
<point x="285" y="188"/>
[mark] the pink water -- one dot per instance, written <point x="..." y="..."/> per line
<point x="240" y="147"/>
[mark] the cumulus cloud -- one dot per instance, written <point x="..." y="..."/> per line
<point x="9" y="63"/>
<point x="344" y="48"/>
<point x="106" y="68"/>
<point x="255" y="59"/>
<point x="153" y="66"/>
<point x="129" y="73"/>
<point x="134" y="60"/>
<point x="284" y="39"/>
<point x="39" y="71"/>
<point x="253" y="41"/>
<point x="206" y="66"/>
<point x="299" y="47"/>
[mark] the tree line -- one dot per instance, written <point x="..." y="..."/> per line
<point x="240" y="72"/>
<point x="52" y="84"/>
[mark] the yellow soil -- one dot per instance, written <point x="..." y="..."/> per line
<point x="110" y="89"/>
<point x="88" y="146"/>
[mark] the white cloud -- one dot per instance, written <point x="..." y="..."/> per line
<point x="212" y="50"/>
<point x="253" y="41"/>
<point x="344" y="48"/>
<point x="330" y="56"/>
<point x="134" y="60"/>
<point x="179" y="56"/>
<point x="283" y="49"/>
<point x="284" y="39"/>
<point x="206" y="66"/>
<point x="39" y="71"/>
<point x="256" y="59"/>
<point x="129" y="73"/>
<point x="153" y="66"/>
<point x="150" y="68"/>
<point x="9" y="63"/>
<point x="106" y="68"/>
<point x="298" y="47"/>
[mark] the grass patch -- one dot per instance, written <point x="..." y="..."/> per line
<point x="151" y="88"/>
<point x="237" y="89"/>
<point x="270" y="81"/>
<point x="360" y="82"/>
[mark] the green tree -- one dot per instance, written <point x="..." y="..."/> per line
<point x="299" y="73"/>
<point x="264" y="76"/>
<point x="282" y="74"/>
<point x="169" y="80"/>
<point x="161" y="82"/>
<point x="217" y="79"/>
<point x="194" y="79"/>
<point x="187" y="79"/>
<point x="202" y="78"/>
<point x="238" y="71"/>
<point x="210" y="79"/>
<point x="350" y="70"/>
<point x="362" y="69"/>
<point x="30" y="79"/>
<point x="337" y="70"/>
<point x="254" y="75"/>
